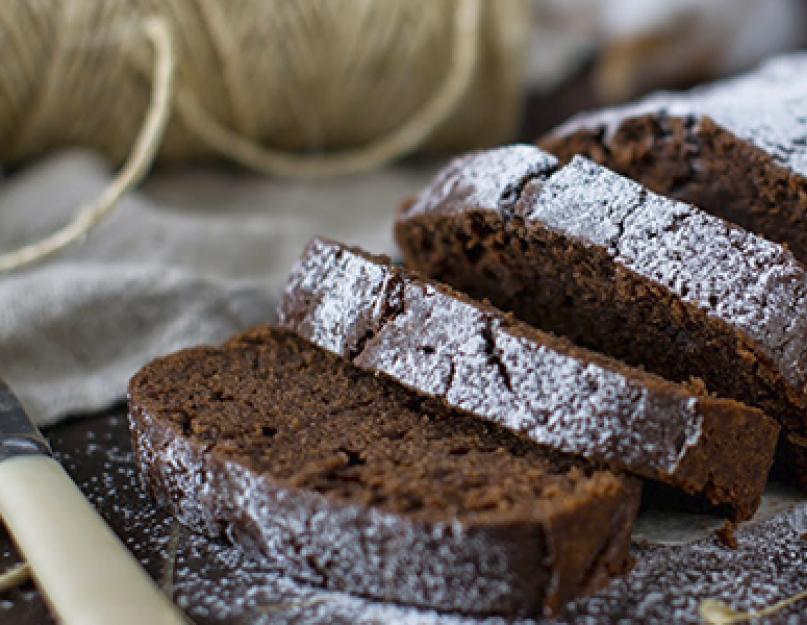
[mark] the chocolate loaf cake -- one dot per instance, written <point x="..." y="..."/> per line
<point x="586" y="253"/>
<point x="737" y="148"/>
<point x="476" y="359"/>
<point x="351" y="482"/>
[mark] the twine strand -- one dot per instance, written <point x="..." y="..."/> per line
<point x="133" y="171"/>
<point x="16" y="576"/>
<point x="715" y="612"/>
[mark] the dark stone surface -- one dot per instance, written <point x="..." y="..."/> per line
<point x="215" y="584"/>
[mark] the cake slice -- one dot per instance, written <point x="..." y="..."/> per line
<point x="587" y="253"/>
<point x="474" y="358"/>
<point x="347" y="481"/>
<point x="736" y="148"/>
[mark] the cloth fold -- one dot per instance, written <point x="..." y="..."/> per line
<point x="191" y="258"/>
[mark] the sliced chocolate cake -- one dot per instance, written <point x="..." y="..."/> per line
<point x="348" y="481"/>
<point x="476" y="359"/>
<point x="587" y="253"/>
<point x="736" y="148"/>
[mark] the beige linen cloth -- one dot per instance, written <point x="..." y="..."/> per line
<point x="191" y="257"/>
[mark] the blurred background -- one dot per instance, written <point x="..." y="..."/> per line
<point x="165" y="162"/>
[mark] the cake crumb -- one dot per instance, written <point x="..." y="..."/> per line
<point x="726" y="535"/>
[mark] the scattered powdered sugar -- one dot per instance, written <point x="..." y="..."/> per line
<point x="216" y="583"/>
<point x="748" y="282"/>
<point x="798" y="520"/>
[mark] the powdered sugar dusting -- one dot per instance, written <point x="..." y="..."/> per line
<point x="451" y="349"/>
<point x="742" y="279"/>
<point x="767" y="107"/>
<point x="357" y="291"/>
<point x="488" y="180"/>
<point x="557" y="399"/>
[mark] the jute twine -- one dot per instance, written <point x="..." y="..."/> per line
<point x="15" y="576"/>
<point x="286" y="87"/>
<point x="715" y="612"/>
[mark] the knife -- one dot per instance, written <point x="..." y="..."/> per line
<point x="85" y="573"/>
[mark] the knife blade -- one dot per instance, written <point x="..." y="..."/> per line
<point x="18" y="436"/>
<point x="85" y="573"/>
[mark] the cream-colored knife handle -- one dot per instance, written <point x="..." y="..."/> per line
<point x="85" y="572"/>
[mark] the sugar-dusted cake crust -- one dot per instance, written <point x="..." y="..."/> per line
<point x="736" y="148"/>
<point x="658" y="283"/>
<point x="353" y="483"/>
<point x="474" y="358"/>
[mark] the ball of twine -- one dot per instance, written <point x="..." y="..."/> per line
<point x="286" y="87"/>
